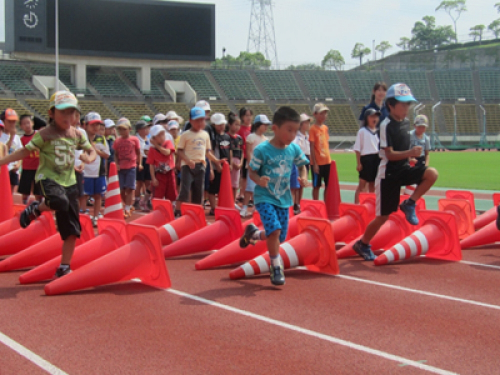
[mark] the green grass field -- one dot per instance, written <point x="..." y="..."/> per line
<point x="463" y="170"/>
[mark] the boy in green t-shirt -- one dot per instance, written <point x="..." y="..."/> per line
<point x="57" y="144"/>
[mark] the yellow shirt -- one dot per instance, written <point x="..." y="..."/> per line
<point x="195" y="145"/>
<point x="319" y="135"/>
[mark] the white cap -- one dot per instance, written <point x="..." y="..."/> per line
<point x="156" y="129"/>
<point x="304" y="117"/>
<point x="172" y="124"/>
<point x="159" y="117"/>
<point x="203" y="104"/>
<point x="108" y="123"/>
<point x="172" y="115"/>
<point x="218" y="119"/>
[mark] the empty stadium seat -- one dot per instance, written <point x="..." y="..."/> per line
<point x="280" y="85"/>
<point x="490" y="84"/>
<point x="237" y="84"/>
<point x="341" y="120"/>
<point x="361" y="83"/>
<point x="15" y="105"/>
<point x="416" y="80"/>
<point x="492" y="119"/>
<point x="133" y="111"/>
<point x="322" y="85"/>
<point x="467" y="119"/>
<point x="16" y="78"/>
<point x="109" y="84"/>
<point x="452" y="85"/>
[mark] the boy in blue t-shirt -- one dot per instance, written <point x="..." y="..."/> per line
<point x="270" y="168"/>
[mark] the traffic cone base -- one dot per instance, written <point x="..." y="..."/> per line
<point x="462" y="210"/>
<point x="10" y="225"/>
<point x="328" y="257"/>
<point x="421" y="205"/>
<point x="332" y="194"/>
<point x="496" y="199"/>
<point x="488" y="216"/>
<point x="463" y="194"/>
<point x="162" y="213"/>
<point x="352" y="223"/>
<point x="7" y="202"/>
<point x="314" y="208"/>
<point x="192" y="219"/>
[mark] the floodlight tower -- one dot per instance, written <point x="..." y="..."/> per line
<point x="261" y="36"/>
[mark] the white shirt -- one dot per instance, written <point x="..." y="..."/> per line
<point x="253" y="140"/>
<point x="92" y="170"/>
<point x="302" y="140"/>
<point x="14" y="146"/>
<point x="145" y="145"/>
<point x="78" y="153"/>
<point x="367" y="142"/>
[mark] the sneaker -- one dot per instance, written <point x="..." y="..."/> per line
<point x="144" y="207"/>
<point x="246" y="239"/>
<point x="137" y="205"/>
<point x="29" y="214"/>
<point x="277" y="275"/>
<point x="62" y="271"/>
<point x="86" y="212"/>
<point x="90" y="202"/>
<point x="365" y="251"/>
<point x="212" y="212"/>
<point x="250" y="203"/>
<point x="498" y="217"/>
<point x="408" y="209"/>
<point x="296" y="209"/>
<point x="243" y="213"/>
<point x="94" y="221"/>
<point x="206" y="203"/>
<point x="237" y="207"/>
<point x="177" y="213"/>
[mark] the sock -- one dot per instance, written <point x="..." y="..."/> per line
<point x="411" y="201"/>
<point x="256" y="235"/>
<point x="127" y="208"/>
<point x="64" y="266"/>
<point x="276" y="261"/>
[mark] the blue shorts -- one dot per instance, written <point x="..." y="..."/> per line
<point x="273" y="218"/>
<point x="94" y="185"/>
<point x="127" y="178"/>
<point x="294" y="182"/>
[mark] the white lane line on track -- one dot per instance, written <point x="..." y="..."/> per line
<point x="30" y="356"/>
<point x="314" y="334"/>
<point x="480" y="264"/>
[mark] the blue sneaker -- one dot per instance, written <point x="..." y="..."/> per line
<point x="408" y="209"/>
<point x="277" y="275"/>
<point x="498" y="217"/>
<point x="364" y="251"/>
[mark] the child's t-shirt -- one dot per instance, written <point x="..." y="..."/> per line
<point x="276" y="163"/>
<point x="236" y="146"/>
<point x="319" y="135"/>
<point x="97" y="167"/>
<point x="253" y="140"/>
<point x="195" y="145"/>
<point x="302" y="140"/>
<point x="244" y="132"/>
<point x="126" y="156"/>
<point x="221" y="146"/>
<point x="31" y="162"/>
<point x="395" y="134"/>
<point x="145" y="146"/>
<point x="424" y="142"/>
<point x="14" y="146"/>
<point x="162" y="163"/>
<point x="367" y="142"/>
<point x="57" y="153"/>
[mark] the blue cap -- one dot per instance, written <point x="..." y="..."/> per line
<point x="196" y="113"/>
<point x="263" y="119"/>
<point x="401" y="92"/>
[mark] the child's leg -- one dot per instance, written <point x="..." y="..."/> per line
<point x="67" y="250"/>
<point x="316" y="193"/>
<point x="198" y="184"/>
<point x="186" y="182"/>
<point x="97" y="204"/>
<point x="373" y="228"/>
<point x="371" y="187"/>
<point x="361" y="188"/>
<point x="428" y="179"/>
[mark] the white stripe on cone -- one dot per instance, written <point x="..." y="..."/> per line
<point x="417" y="244"/>
<point x="113" y="179"/>
<point x="292" y="255"/>
<point x="171" y="231"/>
<point x="112" y="193"/>
<point x="113" y="208"/>
<point x="409" y="189"/>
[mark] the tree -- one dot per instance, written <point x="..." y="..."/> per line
<point x="497" y="5"/>
<point x="383" y="46"/>
<point x="494" y="27"/>
<point x="453" y="7"/>
<point x="426" y="35"/>
<point x="333" y="60"/>
<point x="309" y="66"/>
<point x="477" y="32"/>
<point x="245" y="59"/>
<point x="404" y="43"/>
<point x="359" y="51"/>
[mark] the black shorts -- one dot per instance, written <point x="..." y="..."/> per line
<point x="370" y="167"/>
<point x="215" y="183"/>
<point x="64" y="201"/>
<point x="79" y="183"/>
<point x="420" y="161"/>
<point x="192" y="181"/>
<point x="324" y="174"/>
<point x="27" y="183"/>
<point x="14" y="178"/>
<point x="244" y="169"/>
<point x="388" y="189"/>
<point x="145" y="174"/>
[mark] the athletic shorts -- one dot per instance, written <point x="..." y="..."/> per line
<point x="388" y="189"/>
<point x="79" y="183"/>
<point x="94" y="185"/>
<point x="192" y="181"/>
<point x="145" y="174"/>
<point x="235" y="175"/>
<point x="64" y="201"/>
<point x="370" y="165"/>
<point x="166" y="188"/>
<point x="294" y="182"/>
<point x="14" y="178"/>
<point x="244" y="169"/>
<point x="324" y="175"/>
<point x="215" y="183"/>
<point x="273" y="218"/>
<point x="127" y="178"/>
<point x="420" y="161"/>
<point x="27" y="183"/>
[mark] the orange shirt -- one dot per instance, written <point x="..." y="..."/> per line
<point x="319" y="135"/>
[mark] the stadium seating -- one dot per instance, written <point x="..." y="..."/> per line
<point x="15" y="105"/>
<point x="220" y="107"/>
<point x="492" y="119"/>
<point x="361" y="83"/>
<point x="198" y="81"/>
<point x="301" y="108"/>
<point x="322" y="85"/>
<point x="452" y="85"/>
<point x="467" y="119"/>
<point x="341" y="120"/>
<point x="65" y="77"/>
<point x="490" y="84"/>
<point x="133" y="111"/>
<point x="16" y="77"/>
<point x="155" y="92"/>
<point x="257" y="109"/>
<point x="237" y="84"/>
<point x="109" y="84"/>
<point x="41" y="107"/>
<point x="280" y="85"/>
<point x="416" y="80"/>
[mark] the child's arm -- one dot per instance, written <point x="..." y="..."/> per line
<point x="303" y="176"/>
<point x="163" y="150"/>
<point x="359" y="167"/>
<point x="182" y="156"/>
<point x="101" y="153"/>
<point x="401" y="155"/>
<point x="315" y="166"/>
<point x="15" y="156"/>
<point x="88" y="156"/>
<point x="212" y="158"/>
<point x="259" y="180"/>
<point x="140" y="167"/>
<point x="154" y="181"/>
<point x="427" y="157"/>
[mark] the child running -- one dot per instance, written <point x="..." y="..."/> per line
<point x="55" y="174"/>
<point x="162" y="165"/>
<point x="320" y="149"/>
<point x="367" y="150"/>
<point x="270" y="168"/>
<point x="394" y="170"/>
<point x="143" y="175"/>
<point x="236" y="150"/>
<point x="30" y="164"/>
<point x="128" y="158"/>
<point x="257" y="136"/>
<point x="301" y="140"/>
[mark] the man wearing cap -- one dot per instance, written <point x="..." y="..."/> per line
<point x="394" y="170"/>
<point x="12" y="143"/>
<point x="419" y="138"/>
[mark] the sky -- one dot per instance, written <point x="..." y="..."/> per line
<point x="307" y="29"/>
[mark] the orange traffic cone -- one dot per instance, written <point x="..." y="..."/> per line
<point x="7" y="202"/>
<point x="113" y="203"/>
<point x="393" y="231"/>
<point x="142" y="258"/>
<point x="370" y="202"/>
<point x="353" y="222"/>
<point x="46" y="250"/>
<point x="233" y="253"/>
<point x="162" y="213"/>
<point x="487" y="235"/>
<point x="10" y="225"/>
<point x="461" y="208"/>
<point x="226" y="198"/>
<point x="437" y="238"/>
<point x="409" y="189"/>
<point x="332" y="197"/>
<point x="40" y="229"/>
<point x="192" y="219"/>
<point x="112" y="235"/>
<point x="227" y="228"/>
<point x="487" y="217"/>
<point x="463" y="194"/>
<point x="314" y="248"/>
